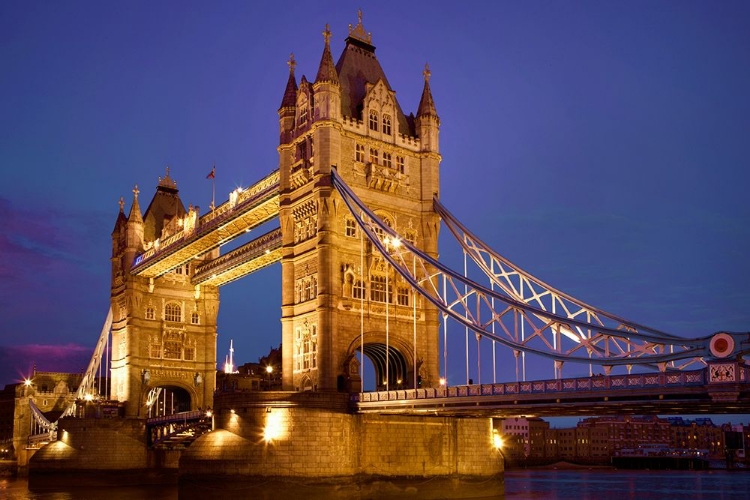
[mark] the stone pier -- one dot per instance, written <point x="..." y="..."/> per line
<point x="309" y="443"/>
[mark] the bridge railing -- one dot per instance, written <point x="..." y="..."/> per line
<point x="175" y="417"/>
<point x="595" y="383"/>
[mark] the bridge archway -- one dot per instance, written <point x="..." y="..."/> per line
<point x="168" y="400"/>
<point x="377" y="356"/>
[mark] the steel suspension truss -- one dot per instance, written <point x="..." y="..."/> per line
<point x="524" y="313"/>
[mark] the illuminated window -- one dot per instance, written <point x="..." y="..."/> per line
<point x="387" y="159"/>
<point x="378" y="289"/>
<point x="172" y="312"/>
<point x="172" y="349"/>
<point x="194" y="318"/>
<point x="155" y="350"/>
<point x="373" y="121"/>
<point x="351" y="228"/>
<point x="358" y="290"/>
<point x="150" y="314"/>
<point x="402" y="296"/>
<point x="387" y="124"/>
<point x="359" y="153"/>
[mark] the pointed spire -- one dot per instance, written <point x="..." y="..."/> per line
<point x="290" y="93"/>
<point x="327" y="70"/>
<point x="135" y="209"/>
<point x="426" y="104"/>
<point x="121" y="219"/>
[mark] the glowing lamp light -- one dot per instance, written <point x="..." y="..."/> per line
<point x="209" y="413"/>
<point x="274" y="428"/>
<point x="232" y="411"/>
<point x="269" y="369"/>
<point x="27" y="382"/>
<point x="497" y="440"/>
<point x="442" y="381"/>
<point x="88" y="397"/>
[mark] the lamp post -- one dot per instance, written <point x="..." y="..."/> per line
<point x="269" y="372"/>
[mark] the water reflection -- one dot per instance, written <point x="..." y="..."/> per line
<point x="531" y="484"/>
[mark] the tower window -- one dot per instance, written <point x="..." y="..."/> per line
<point x="351" y="228"/>
<point x="387" y="124"/>
<point x="172" y="312"/>
<point x="374" y="121"/>
<point x="172" y="349"/>
<point x="359" y="153"/>
<point x="400" y="164"/>
<point x="194" y="318"/>
<point x="150" y="313"/>
<point x="402" y="296"/>
<point x="387" y="159"/>
<point x="358" y="290"/>
<point x="373" y="155"/>
<point x="378" y="290"/>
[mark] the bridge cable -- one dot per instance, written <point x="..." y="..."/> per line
<point x="692" y="347"/>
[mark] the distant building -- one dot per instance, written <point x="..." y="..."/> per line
<point x="698" y="434"/>
<point x="265" y="375"/>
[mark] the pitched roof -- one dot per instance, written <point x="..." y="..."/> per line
<point x="326" y="69"/>
<point x="426" y="104"/>
<point x="164" y="207"/>
<point x="356" y="67"/>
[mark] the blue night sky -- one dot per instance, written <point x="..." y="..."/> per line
<point x="602" y="146"/>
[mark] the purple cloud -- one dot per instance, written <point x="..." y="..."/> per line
<point x="18" y="362"/>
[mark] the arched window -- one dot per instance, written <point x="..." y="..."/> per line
<point x="150" y="313"/>
<point x="359" y="153"/>
<point x="373" y="155"/>
<point x="387" y="159"/>
<point x="387" y="124"/>
<point x="172" y="312"/>
<point x="194" y="318"/>
<point x="358" y="291"/>
<point x="374" y="121"/>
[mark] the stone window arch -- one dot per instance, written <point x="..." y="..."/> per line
<point x="387" y="124"/>
<point x="195" y="318"/>
<point x="172" y="312"/>
<point x="374" y="121"/>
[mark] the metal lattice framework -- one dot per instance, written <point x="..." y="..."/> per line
<point x="524" y="313"/>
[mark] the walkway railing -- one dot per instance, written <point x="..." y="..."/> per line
<point x="595" y="383"/>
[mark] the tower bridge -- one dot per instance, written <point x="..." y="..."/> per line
<point x="357" y="199"/>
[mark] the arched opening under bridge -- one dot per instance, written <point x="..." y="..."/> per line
<point x="378" y="356"/>
<point x="167" y="400"/>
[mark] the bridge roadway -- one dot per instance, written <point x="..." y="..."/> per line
<point x="246" y="209"/>
<point x="686" y="392"/>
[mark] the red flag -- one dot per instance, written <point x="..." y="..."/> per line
<point x="212" y="174"/>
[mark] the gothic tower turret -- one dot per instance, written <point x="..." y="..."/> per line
<point x="340" y="299"/>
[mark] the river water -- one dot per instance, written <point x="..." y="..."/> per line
<point x="533" y="484"/>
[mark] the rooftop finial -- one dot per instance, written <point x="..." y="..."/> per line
<point x="327" y="35"/>
<point x="122" y="204"/>
<point x="358" y="31"/>
<point x="292" y="63"/>
<point x="136" y="191"/>
<point x="427" y="73"/>
<point x="167" y="181"/>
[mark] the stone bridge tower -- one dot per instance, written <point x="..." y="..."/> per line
<point x="336" y="288"/>
<point x="163" y="328"/>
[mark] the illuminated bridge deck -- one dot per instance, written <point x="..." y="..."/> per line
<point x="244" y="211"/>
<point x="660" y="393"/>
<point x="248" y="258"/>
